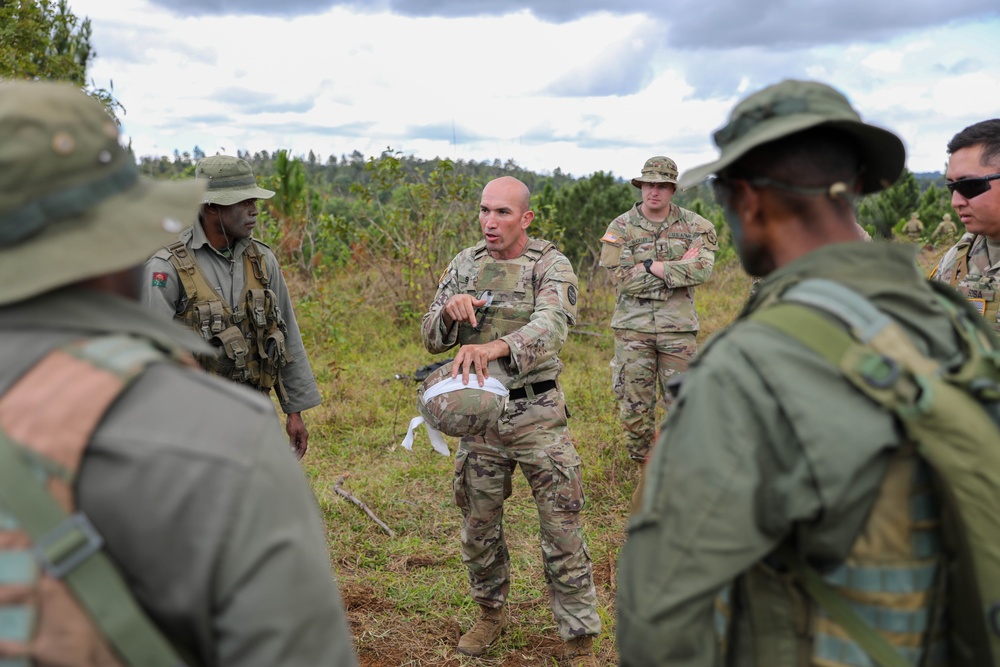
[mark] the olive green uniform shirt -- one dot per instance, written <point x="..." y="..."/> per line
<point x="766" y="442"/>
<point x="225" y="274"/>
<point x="200" y="502"/>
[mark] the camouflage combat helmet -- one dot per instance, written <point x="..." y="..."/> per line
<point x="466" y="410"/>
<point x="230" y="180"/>
<point x="793" y="106"/>
<point x="72" y="202"/>
<point x="658" y="169"/>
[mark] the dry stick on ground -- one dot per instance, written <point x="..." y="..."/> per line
<point x="367" y="510"/>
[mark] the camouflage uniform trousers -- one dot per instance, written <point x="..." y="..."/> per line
<point x="534" y="434"/>
<point x="640" y="360"/>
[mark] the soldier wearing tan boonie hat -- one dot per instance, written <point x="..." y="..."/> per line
<point x="233" y="276"/>
<point x="655" y="254"/>
<point x="128" y="479"/>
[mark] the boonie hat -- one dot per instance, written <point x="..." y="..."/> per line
<point x="793" y="106"/>
<point x="72" y="202"/>
<point x="658" y="169"/>
<point x="230" y="180"/>
<point x="459" y="410"/>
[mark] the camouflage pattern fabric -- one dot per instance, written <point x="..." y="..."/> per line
<point x="913" y="228"/>
<point x="532" y="315"/>
<point x="534" y="434"/>
<point x="643" y="301"/>
<point x="467" y="411"/>
<point x="534" y="304"/>
<point x="946" y="229"/>
<point x="643" y="360"/>
<point x="980" y="281"/>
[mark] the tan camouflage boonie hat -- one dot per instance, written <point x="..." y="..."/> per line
<point x="470" y="410"/>
<point x="72" y="202"/>
<point x="793" y="106"/>
<point x="659" y="169"/>
<point x="230" y="180"/>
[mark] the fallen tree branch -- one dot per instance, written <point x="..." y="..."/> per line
<point x="367" y="510"/>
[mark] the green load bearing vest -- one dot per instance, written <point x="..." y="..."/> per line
<point x="952" y="414"/>
<point x="251" y="337"/>
<point x="64" y="600"/>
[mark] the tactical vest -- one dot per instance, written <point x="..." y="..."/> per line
<point x="892" y="576"/>
<point x="983" y="299"/>
<point x="251" y="337"/>
<point x="62" y="601"/>
<point x="509" y="288"/>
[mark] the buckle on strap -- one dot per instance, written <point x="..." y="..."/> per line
<point x="68" y="545"/>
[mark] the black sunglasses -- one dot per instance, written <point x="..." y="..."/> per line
<point x="971" y="187"/>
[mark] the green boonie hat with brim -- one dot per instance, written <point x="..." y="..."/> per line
<point x="658" y="169"/>
<point x="793" y="106"/>
<point x="72" y="202"/>
<point x="230" y="180"/>
<point x="466" y="411"/>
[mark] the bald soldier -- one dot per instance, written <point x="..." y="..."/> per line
<point x="511" y="299"/>
<point x="130" y="535"/>
<point x="655" y="254"/>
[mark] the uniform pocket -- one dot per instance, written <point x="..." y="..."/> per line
<point x="458" y="482"/>
<point x="567" y="483"/>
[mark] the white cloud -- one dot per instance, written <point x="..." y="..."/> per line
<point x="601" y="92"/>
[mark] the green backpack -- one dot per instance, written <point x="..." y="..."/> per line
<point x="953" y="417"/>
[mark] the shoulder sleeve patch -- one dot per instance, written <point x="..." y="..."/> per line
<point x="613" y="239"/>
<point x="159" y="279"/>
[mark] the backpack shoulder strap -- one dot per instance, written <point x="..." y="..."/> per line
<point x="53" y="411"/>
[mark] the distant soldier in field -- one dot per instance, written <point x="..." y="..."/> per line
<point x="913" y="228"/>
<point x="241" y="303"/>
<point x="655" y="253"/>
<point x="150" y="514"/>
<point x="946" y="229"/>
<point x="511" y="299"/>
<point x="973" y="177"/>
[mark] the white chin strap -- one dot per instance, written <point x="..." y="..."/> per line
<point x="491" y="385"/>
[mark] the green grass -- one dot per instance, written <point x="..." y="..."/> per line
<point x="407" y="596"/>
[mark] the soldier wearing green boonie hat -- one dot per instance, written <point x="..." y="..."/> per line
<point x="130" y="535"/>
<point x="227" y="286"/>
<point x="773" y="460"/>
<point x="656" y="253"/>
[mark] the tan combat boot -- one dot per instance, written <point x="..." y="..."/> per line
<point x="485" y="631"/>
<point x="580" y="652"/>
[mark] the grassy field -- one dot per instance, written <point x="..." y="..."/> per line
<point x="407" y="595"/>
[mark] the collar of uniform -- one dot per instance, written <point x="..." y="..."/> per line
<point x="199" y="239"/>
<point x="673" y="215"/>
<point x="89" y="312"/>
<point x="858" y="264"/>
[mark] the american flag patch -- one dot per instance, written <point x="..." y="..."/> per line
<point x="612" y="238"/>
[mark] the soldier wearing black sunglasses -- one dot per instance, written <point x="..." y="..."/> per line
<point x="973" y="264"/>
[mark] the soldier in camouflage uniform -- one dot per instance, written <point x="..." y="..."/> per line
<point x="655" y="253"/>
<point x="973" y="264"/>
<point x="913" y="228"/>
<point x="946" y="229"/>
<point x="511" y="299"/>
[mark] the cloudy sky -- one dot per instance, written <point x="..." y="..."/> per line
<point x="580" y="85"/>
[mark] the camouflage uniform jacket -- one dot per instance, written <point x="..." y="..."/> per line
<point x="163" y="293"/>
<point x="981" y="280"/>
<point x="644" y="302"/>
<point x="753" y="460"/>
<point x="535" y="346"/>
<point x="209" y="517"/>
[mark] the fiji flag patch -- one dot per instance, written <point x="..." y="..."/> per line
<point x="159" y="279"/>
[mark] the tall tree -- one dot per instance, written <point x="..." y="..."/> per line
<point x="43" y="40"/>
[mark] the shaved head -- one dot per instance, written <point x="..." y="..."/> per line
<point x="512" y="190"/>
